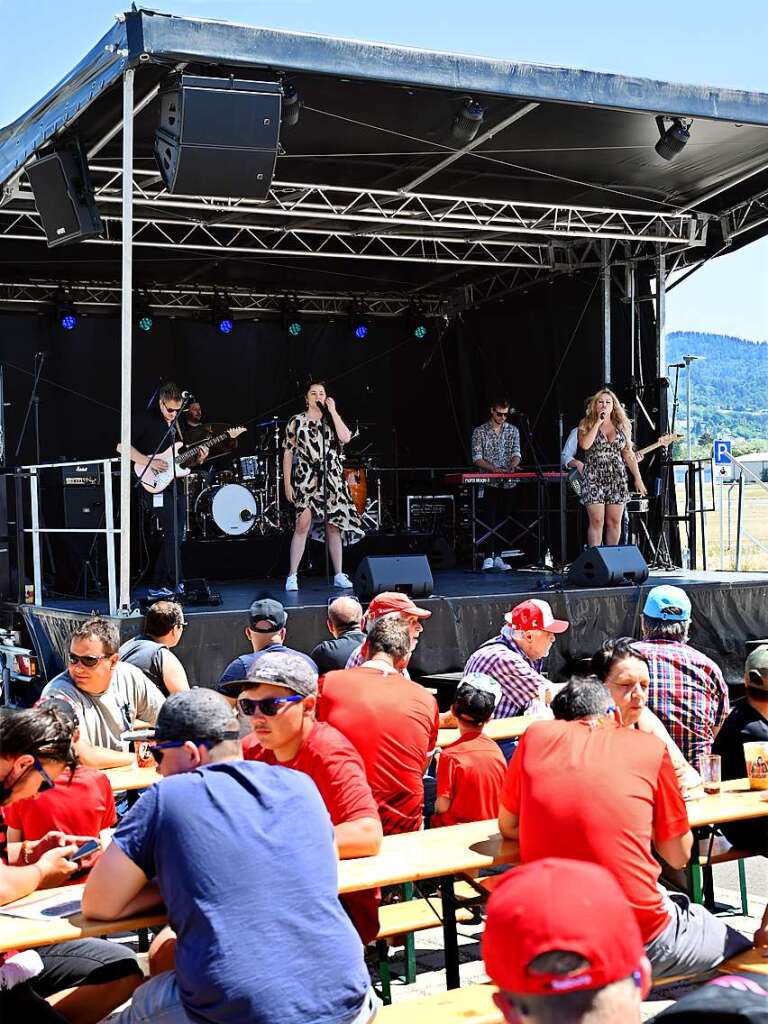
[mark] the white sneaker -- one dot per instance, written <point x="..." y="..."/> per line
<point x="499" y="563"/>
<point x="343" y="581"/>
<point x="292" y="582"/>
<point x="487" y="564"/>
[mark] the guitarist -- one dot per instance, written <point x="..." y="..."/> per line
<point x="147" y="433"/>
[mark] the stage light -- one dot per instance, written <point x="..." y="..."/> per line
<point x="146" y="322"/>
<point x="420" y="331"/>
<point x="672" y="139"/>
<point x="225" y="325"/>
<point x="222" y="315"/>
<point x="361" y="331"/>
<point x="295" y="328"/>
<point x="144" y="317"/>
<point x="467" y="122"/>
<point x="292" y="104"/>
<point x="68" y="319"/>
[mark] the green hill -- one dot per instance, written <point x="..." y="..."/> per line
<point x="729" y="387"/>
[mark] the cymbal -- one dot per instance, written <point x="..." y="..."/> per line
<point x="269" y="423"/>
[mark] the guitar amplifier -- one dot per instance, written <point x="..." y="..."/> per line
<point x="86" y="474"/>
<point x="432" y="513"/>
<point x="83" y="496"/>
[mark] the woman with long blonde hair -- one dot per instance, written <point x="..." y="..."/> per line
<point x="605" y="437"/>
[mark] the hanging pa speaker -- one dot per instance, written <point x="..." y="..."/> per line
<point x="409" y="574"/>
<point x="608" y="567"/>
<point x="218" y="136"/>
<point x="64" y="196"/>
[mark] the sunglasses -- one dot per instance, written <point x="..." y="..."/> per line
<point x="156" y="749"/>
<point x="47" y="782"/>
<point x="267" y="706"/>
<point x="88" y="660"/>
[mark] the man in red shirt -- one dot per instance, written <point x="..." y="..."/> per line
<point x="280" y="697"/>
<point x="391" y="721"/>
<point x="586" y="789"/>
<point x="470" y="771"/>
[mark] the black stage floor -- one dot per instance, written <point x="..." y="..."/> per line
<point x="728" y="609"/>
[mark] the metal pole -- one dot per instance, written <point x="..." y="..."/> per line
<point x="661" y="316"/>
<point x="739" y="514"/>
<point x="722" y="520"/>
<point x="37" y="572"/>
<point x="688" y="408"/>
<point x="629" y="271"/>
<point x="126" y="327"/>
<point x="109" y="522"/>
<point x="605" y="274"/>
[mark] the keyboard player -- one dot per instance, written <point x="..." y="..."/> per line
<point x="495" y="449"/>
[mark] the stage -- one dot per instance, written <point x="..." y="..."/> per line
<point x="467" y="608"/>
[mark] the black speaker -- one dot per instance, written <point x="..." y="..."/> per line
<point x="608" y="567"/>
<point x="64" y="196"/>
<point x="407" y="573"/>
<point x="218" y="136"/>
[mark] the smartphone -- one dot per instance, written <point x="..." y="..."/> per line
<point x="89" y="847"/>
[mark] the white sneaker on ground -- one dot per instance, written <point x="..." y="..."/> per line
<point x="499" y="563"/>
<point x="343" y="581"/>
<point x="487" y="564"/>
<point x="292" y="582"/>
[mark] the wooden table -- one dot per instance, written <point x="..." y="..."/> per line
<point x="735" y="802"/>
<point x="131" y="778"/>
<point x="497" y="729"/>
<point x="403" y="858"/>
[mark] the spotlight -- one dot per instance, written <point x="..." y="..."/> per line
<point x="292" y="104"/>
<point x="467" y="122"/>
<point x="295" y="328"/>
<point x="68" y="319"/>
<point x="420" y="331"/>
<point x="222" y="316"/>
<point x="144" y="317"/>
<point x="672" y="139"/>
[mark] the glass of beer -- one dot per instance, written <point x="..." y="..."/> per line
<point x="710" y="773"/>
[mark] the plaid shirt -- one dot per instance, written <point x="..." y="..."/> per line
<point x="688" y="693"/>
<point x="518" y="676"/>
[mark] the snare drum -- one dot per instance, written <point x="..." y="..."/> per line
<point x="357" y="484"/>
<point x="231" y="508"/>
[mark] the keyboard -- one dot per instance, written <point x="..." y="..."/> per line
<point x="550" y="476"/>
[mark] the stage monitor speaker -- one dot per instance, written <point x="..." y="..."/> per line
<point x="218" y="136"/>
<point x="64" y="196"/>
<point x="407" y="573"/>
<point x="608" y="567"/>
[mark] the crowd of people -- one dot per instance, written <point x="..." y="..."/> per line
<point x="291" y="760"/>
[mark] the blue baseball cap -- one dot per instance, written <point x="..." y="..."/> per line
<point x="668" y="603"/>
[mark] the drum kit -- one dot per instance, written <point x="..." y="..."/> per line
<point x="243" y="497"/>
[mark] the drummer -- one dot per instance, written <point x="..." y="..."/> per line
<point x="194" y="429"/>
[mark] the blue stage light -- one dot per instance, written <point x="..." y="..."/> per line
<point x="420" y="331"/>
<point x="226" y="325"/>
<point x="361" y="331"/>
<point x="146" y="322"/>
<point x="68" y="321"/>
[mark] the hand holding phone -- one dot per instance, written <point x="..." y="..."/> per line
<point x="89" y="846"/>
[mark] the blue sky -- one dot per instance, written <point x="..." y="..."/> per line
<point x="701" y="42"/>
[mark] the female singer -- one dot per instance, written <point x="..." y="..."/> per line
<point x="307" y="434"/>
<point x="605" y="436"/>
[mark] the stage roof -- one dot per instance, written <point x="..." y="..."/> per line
<point x="371" y="195"/>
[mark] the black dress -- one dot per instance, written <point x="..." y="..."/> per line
<point x="303" y="437"/>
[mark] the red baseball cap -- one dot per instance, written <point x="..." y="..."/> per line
<point x="391" y="602"/>
<point x="535" y="614"/>
<point x="567" y="905"/>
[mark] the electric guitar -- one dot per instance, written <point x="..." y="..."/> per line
<point x="156" y="480"/>
<point x="576" y="479"/>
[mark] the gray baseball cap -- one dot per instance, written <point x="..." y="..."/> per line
<point x="286" y="670"/>
<point x="196" y="714"/>
<point x="756" y="668"/>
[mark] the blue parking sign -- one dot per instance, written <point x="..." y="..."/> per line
<point x="722" y="452"/>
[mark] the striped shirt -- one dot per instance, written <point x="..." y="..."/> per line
<point x="688" y="693"/>
<point x="518" y="676"/>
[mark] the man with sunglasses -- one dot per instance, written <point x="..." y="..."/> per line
<point x="148" y="432"/>
<point x="242" y="854"/>
<point x="495" y="449"/>
<point x="280" y="699"/>
<point x="109" y="695"/>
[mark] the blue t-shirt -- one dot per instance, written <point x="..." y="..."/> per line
<point x="243" y="856"/>
<point x="238" y="669"/>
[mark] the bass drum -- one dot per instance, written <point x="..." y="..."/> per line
<point x="229" y="509"/>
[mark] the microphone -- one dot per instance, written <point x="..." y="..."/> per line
<point x="675" y="366"/>
<point x="187" y="396"/>
<point x="602" y="417"/>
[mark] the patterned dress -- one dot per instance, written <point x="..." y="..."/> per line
<point x="303" y="437"/>
<point x="605" y="474"/>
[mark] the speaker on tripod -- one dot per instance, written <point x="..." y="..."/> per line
<point x="608" y="567"/>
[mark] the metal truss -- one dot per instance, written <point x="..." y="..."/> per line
<point x="193" y="300"/>
<point x="746" y="216"/>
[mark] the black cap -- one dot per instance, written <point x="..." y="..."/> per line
<point x="267" y="611"/>
<point x="197" y="714"/>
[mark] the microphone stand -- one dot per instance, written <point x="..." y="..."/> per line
<point x="540" y="484"/>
